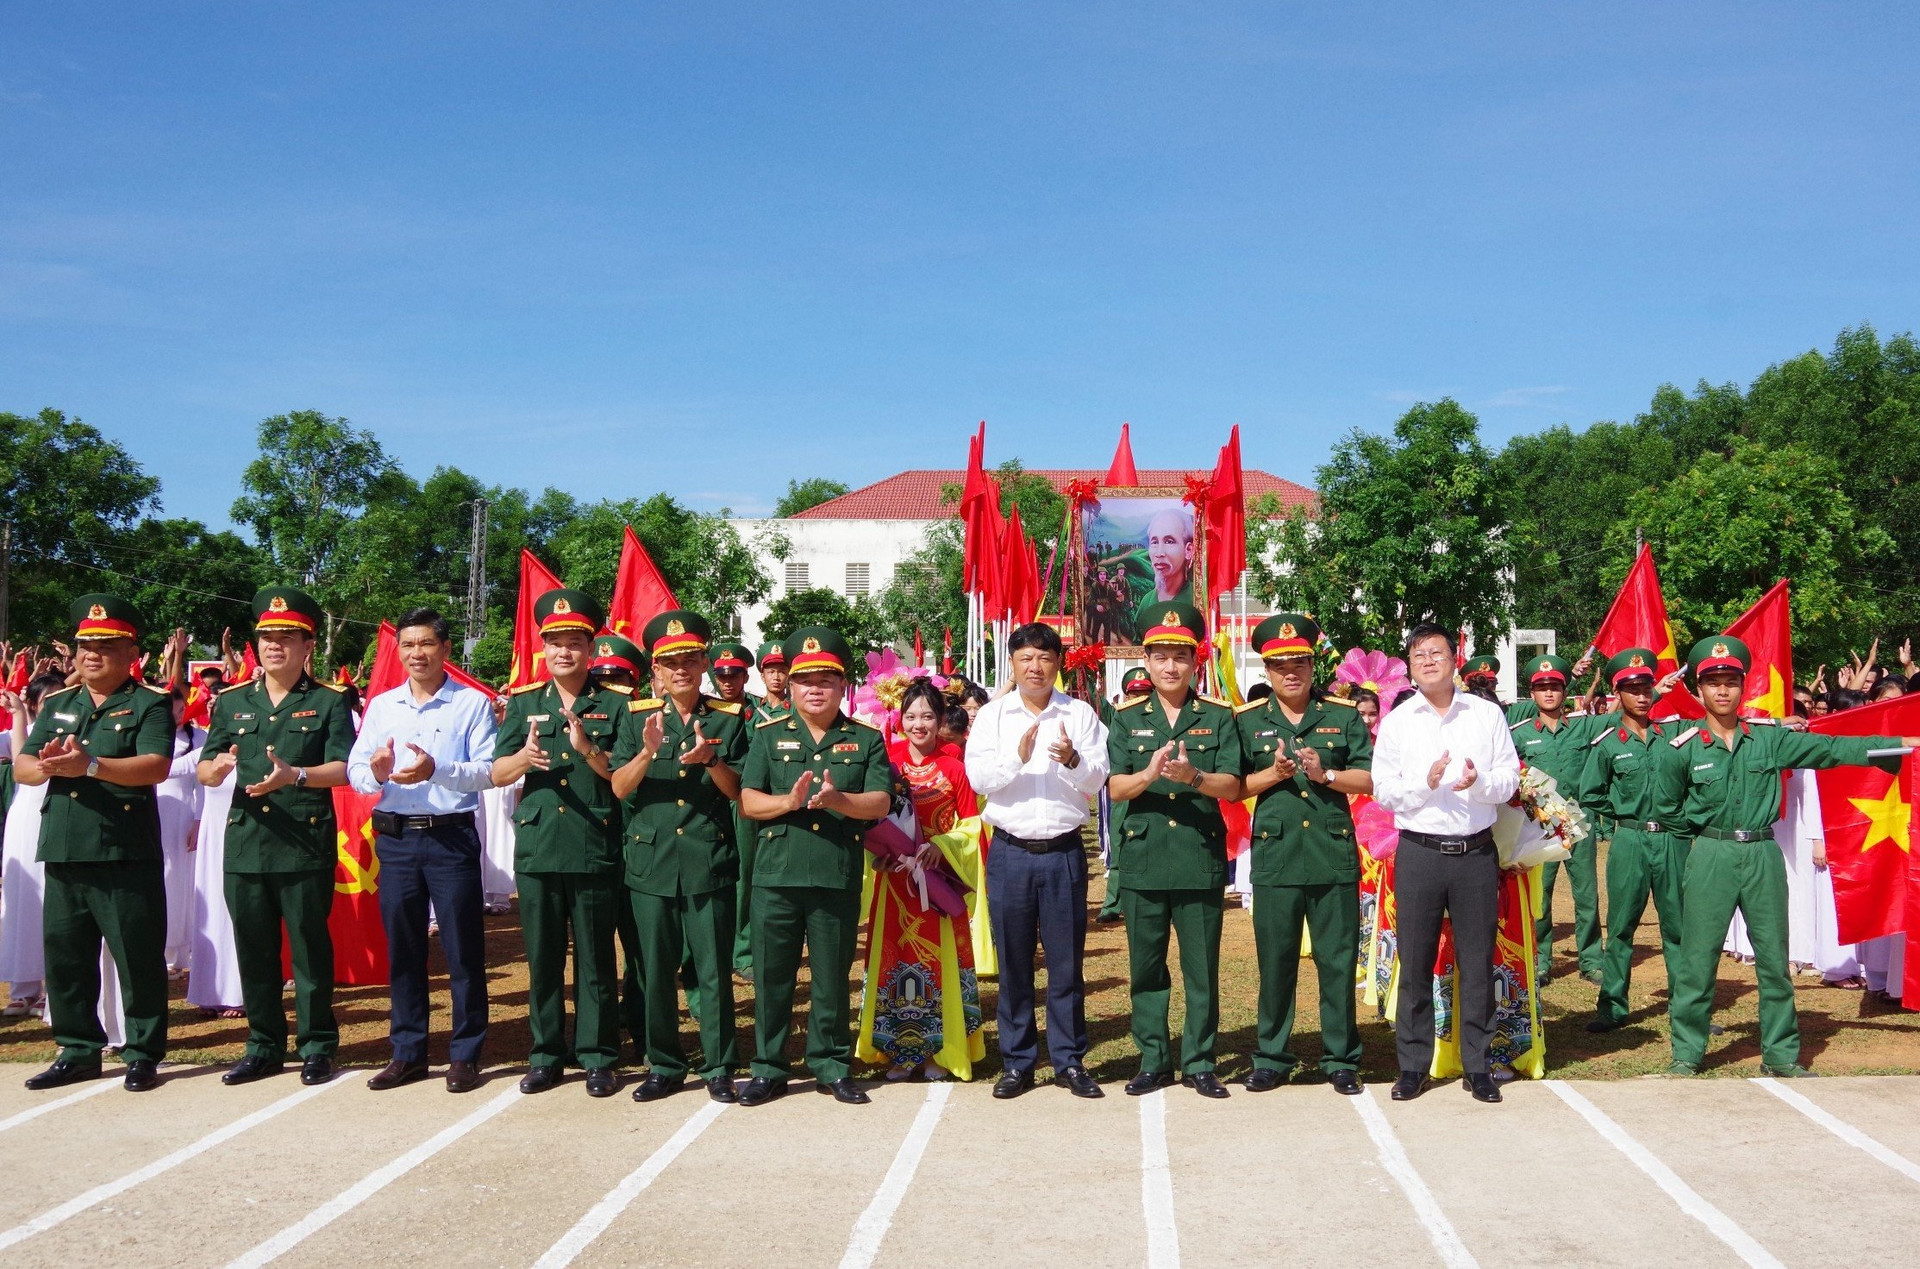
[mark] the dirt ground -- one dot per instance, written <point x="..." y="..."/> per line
<point x="1843" y="1032"/>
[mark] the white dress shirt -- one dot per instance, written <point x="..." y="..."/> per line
<point x="1412" y="738"/>
<point x="455" y="728"/>
<point x="1036" y="799"/>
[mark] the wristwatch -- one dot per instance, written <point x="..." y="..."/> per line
<point x="93" y="768"/>
<point x="299" y="777"/>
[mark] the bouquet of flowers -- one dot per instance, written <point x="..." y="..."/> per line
<point x="1539" y="825"/>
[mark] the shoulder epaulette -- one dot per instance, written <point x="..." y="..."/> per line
<point x="1517" y="726"/>
<point x="1684" y="737"/>
<point x="65" y="691"/>
<point x="765" y="722"/>
<point x="157" y="691"/>
<point x="528" y="687"/>
<point x="1338" y="700"/>
<point x="725" y="707"/>
<point x="1764" y="722"/>
<point x="1602" y="736"/>
<point x="236" y="687"/>
<point x="1214" y="700"/>
<point x="861" y="722"/>
<point x="340" y="688"/>
<point x="1243" y="708"/>
<point x="647" y="702"/>
<point x="621" y="688"/>
<point x="1134" y="703"/>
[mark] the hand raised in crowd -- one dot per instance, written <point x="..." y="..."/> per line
<point x="653" y="734"/>
<point x="537" y="759"/>
<point x="1585" y="663"/>
<point x="1310" y="764"/>
<point x="420" y="772"/>
<point x="62" y="756"/>
<point x="1062" y="750"/>
<point x="278" y="777"/>
<point x="1179" y="769"/>
<point x="701" y="752"/>
<point x="10" y="701"/>
<point x="1906" y="658"/>
<point x="499" y="710"/>
<point x="1438" y="771"/>
<point x="224" y="763"/>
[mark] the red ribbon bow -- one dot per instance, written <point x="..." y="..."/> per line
<point x="1199" y="489"/>
<point x="1081" y="491"/>
<point x="1088" y="658"/>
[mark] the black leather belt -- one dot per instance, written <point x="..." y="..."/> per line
<point x="1449" y="845"/>
<point x="1739" y="834"/>
<point x="393" y="825"/>
<point x="1069" y="840"/>
<point x="1649" y="826"/>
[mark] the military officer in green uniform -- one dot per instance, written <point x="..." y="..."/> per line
<point x="102" y="746"/>
<point x="619" y="662"/>
<point x="557" y="738"/>
<point x="284" y="737"/>
<point x="679" y="764"/>
<point x="1135" y="684"/>
<point x="1556" y="742"/>
<point x="1732" y="798"/>
<point x="1480" y="674"/>
<point x="1174" y="755"/>
<point x="815" y="781"/>
<point x="1633" y="776"/>
<point x="772" y="660"/>
<point x="1301" y="758"/>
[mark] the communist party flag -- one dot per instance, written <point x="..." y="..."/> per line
<point x="1767" y="630"/>
<point x="1226" y="513"/>
<point x="22" y="673"/>
<point x="1638" y="619"/>
<point x="529" y="658"/>
<point x="639" y="592"/>
<point x="1867" y="815"/>
<point x="946" y="650"/>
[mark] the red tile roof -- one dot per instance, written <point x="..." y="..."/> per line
<point x="915" y="495"/>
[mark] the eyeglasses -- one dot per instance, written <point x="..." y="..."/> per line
<point x="1423" y="658"/>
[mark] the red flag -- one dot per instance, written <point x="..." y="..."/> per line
<point x="946" y="650"/>
<point x="1767" y="630"/>
<point x="1866" y="816"/>
<point x="1020" y="579"/>
<point x="22" y="673"/>
<point x="1120" y="471"/>
<point x="919" y="649"/>
<point x="249" y="664"/>
<point x="1638" y="619"/>
<point x="1910" y="997"/>
<point x="639" y="592"/>
<point x="359" y="939"/>
<point x="1226" y="523"/>
<point x="980" y="516"/>
<point x="529" y="658"/>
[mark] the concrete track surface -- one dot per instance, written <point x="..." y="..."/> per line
<point x="1650" y="1172"/>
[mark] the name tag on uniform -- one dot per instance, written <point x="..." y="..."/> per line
<point x="538" y="718"/>
<point x="849" y="747"/>
<point x="1143" y="732"/>
<point x="1263" y="735"/>
<point x="306" y="713"/>
<point x="786" y="744"/>
<point x="68" y="718"/>
<point x="1704" y="766"/>
<point x="244" y="718"/>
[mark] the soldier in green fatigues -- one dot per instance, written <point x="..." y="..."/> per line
<point x="681" y="860"/>
<point x="284" y="737"/>
<point x="773" y="676"/>
<point x="1135" y="684"/>
<point x="102" y="746"/>
<point x="558" y="738"/>
<point x="1302" y="758"/>
<point x="1556" y="742"/>
<point x="1732" y="798"/>
<point x="1633" y="777"/>
<point x="815" y="781"/>
<point x="618" y="662"/>
<point x="1174" y="755"/>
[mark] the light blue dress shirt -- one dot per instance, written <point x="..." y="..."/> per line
<point x="455" y="728"/>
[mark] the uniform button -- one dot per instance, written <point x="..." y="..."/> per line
<point x="1173" y="823"/>
<point x="1306" y="823"/>
<point x="680" y="832"/>
<point x="73" y="795"/>
<point x="1303" y="792"/>
<point x="565" y="754"/>
<point x="273" y="718"/>
<point x="563" y="784"/>
<point x="816" y="828"/>
<point x="681" y="802"/>
<point x="563" y="810"/>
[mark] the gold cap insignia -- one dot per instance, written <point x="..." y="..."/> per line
<point x="675" y="629"/>
<point x="1171" y="619"/>
<point x="97" y="613"/>
<point x="606" y="649"/>
<point x="1287" y="631"/>
<point x="277" y="604"/>
<point x="1638" y="663"/>
<point x="811" y="645"/>
<point x="1721" y="650"/>
<point x="562" y="606"/>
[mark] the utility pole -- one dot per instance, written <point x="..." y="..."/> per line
<point x="6" y="563"/>
<point x="476" y="579"/>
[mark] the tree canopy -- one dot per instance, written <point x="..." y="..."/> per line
<point x="804" y="495"/>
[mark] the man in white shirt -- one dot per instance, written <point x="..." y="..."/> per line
<point x="1443" y="763"/>
<point x="1037" y="757"/>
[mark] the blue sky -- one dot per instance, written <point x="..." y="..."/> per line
<point x="624" y="247"/>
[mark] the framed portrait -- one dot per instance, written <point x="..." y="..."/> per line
<point x="1138" y="551"/>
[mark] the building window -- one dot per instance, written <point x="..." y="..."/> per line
<point x="858" y="580"/>
<point x="796" y="578"/>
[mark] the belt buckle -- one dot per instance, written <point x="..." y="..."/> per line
<point x="1450" y="845"/>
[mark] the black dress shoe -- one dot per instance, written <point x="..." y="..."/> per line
<point x="1076" y="1081"/>
<point x="1205" y="1083"/>
<point x="1345" y="1082"/>
<point x="317" y="1069"/>
<point x="1482" y="1087"/>
<point x="254" y="1066"/>
<point x="142" y="1074"/>
<point x="63" y="1072"/>
<point x="1146" y="1081"/>
<point x="844" y="1090"/>
<point x="396" y="1073"/>
<point x="760" y="1090"/>
<point x="539" y="1079"/>
<point x="1265" y="1079"/>
<point x="720" y="1088"/>
<point x="1011" y="1084"/>
<point x="1409" y="1086"/>
<point x="463" y="1077"/>
<point x="655" y="1086"/>
<point x="1600" y="1026"/>
<point x="602" y="1082"/>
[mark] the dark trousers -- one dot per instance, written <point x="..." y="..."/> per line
<point x="585" y="905"/>
<point x="260" y="903"/>
<point x="1428" y="886"/>
<point x="825" y="922"/>
<point x="124" y="905"/>
<point x="1153" y="917"/>
<point x="667" y="928"/>
<point x="1039" y="901"/>
<point x="1330" y="914"/>
<point x="441" y="865"/>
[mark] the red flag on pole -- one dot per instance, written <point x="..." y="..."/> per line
<point x="919" y="649"/>
<point x="639" y="592"/>
<point x="529" y="658"/>
<point x="1866" y="815"/>
<point x="1120" y="471"/>
<point x="249" y="664"/>
<point x="946" y="650"/>
<point x="359" y="939"/>
<point x="1020" y="577"/>
<point x="980" y="516"/>
<point x="1226" y="523"/>
<point x="1638" y="619"/>
<point x="22" y="673"/>
<point x="1767" y="630"/>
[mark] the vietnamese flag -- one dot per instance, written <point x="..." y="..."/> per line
<point x="1767" y="630"/>
<point x="639" y="592"/>
<point x="529" y="658"/>
<point x="1226" y="513"/>
<point x="22" y="673"/>
<point x="1867" y="816"/>
<point x="1638" y="619"/>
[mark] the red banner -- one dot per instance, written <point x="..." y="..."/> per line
<point x="639" y="592"/>
<point x="1866" y="815"/>
<point x="1638" y="619"/>
<point x="1226" y="513"/>
<point x="1767" y="630"/>
<point x="1120" y="471"/>
<point x="529" y="657"/>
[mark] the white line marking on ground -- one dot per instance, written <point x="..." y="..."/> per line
<point x="354" y="1195"/>
<point x="1156" y="1183"/>
<point x="1833" y="1124"/>
<point x="1717" y="1222"/>
<point x="25" y="1116"/>
<point x="1440" y="1231"/>
<point x="863" y="1248"/>
<point x="101" y="1193"/>
<point x="603" y="1213"/>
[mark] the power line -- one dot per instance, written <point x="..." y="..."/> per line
<point x="182" y="590"/>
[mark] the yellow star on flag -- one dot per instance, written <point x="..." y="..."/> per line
<point x="1773" y="701"/>
<point x="1889" y="819"/>
<point x="1668" y="655"/>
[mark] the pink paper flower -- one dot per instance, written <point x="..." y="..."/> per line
<point x="1385" y="676"/>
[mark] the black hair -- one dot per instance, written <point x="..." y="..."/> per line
<point x="974" y="692"/>
<point x="1035" y="634"/>
<point x="40" y="685"/>
<point x="955" y="720"/>
<point x="1427" y="630"/>
<point x="1480" y="687"/>
<point x="922" y="690"/>
<point x="1893" y="680"/>
<point x="1839" y="698"/>
<point x="1259" y="691"/>
<point x="1402" y="695"/>
<point x="1364" y="694"/>
<point x="427" y="617"/>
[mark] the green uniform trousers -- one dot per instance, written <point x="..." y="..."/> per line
<point x="705" y="924"/>
<point x="126" y="905"/>
<point x="1583" y="872"/>
<point x="552" y="905"/>
<point x="1110" y="906"/>
<point x="1151" y="915"/>
<point x="1722" y="876"/>
<point x="827" y="922"/>
<point x="746" y="835"/>
<point x="1639" y="865"/>
<point x="1331" y="915"/>
<point x="633" y="989"/>
<point x="259" y="903"/>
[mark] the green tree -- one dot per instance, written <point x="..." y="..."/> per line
<point x="859" y="621"/>
<point x="703" y="558"/>
<point x="1411" y="527"/>
<point x="804" y="495"/>
<point x="1731" y="527"/>
<point x="181" y="575"/>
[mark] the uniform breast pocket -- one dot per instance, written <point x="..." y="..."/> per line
<point x="1202" y="751"/>
<point x="526" y="814"/>
<point x="112" y="740"/>
<point x="303" y="744"/>
<point x="1707" y="773"/>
